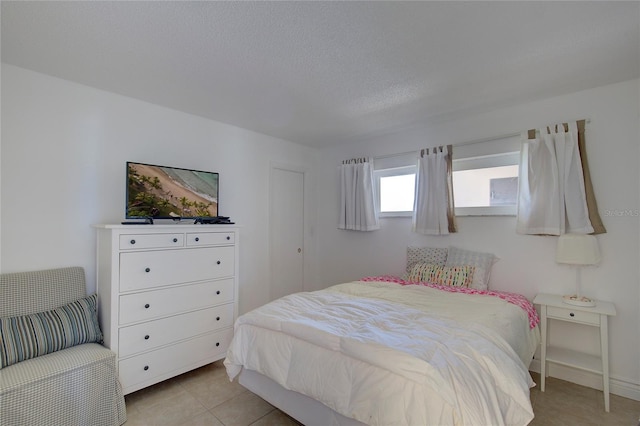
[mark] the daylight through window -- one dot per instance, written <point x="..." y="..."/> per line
<point x="486" y="185"/>
<point x="483" y="185"/>
<point x="395" y="188"/>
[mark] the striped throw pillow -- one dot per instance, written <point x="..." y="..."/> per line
<point x="455" y="276"/>
<point x="29" y="336"/>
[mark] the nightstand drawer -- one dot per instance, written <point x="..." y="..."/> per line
<point x="568" y="314"/>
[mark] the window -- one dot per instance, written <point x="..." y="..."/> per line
<point x="395" y="189"/>
<point x="486" y="185"/>
<point x="485" y="179"/>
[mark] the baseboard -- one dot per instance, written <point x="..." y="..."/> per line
<point x="585" y="378"/>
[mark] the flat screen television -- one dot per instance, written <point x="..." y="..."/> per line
<point x="161" y="192"/>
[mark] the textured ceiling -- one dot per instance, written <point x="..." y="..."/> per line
<point x="324" y="73"/>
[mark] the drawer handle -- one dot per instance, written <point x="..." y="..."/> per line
<point x="217" y="343"/>
<point x="218" y="292"/>
<point x="228" y="237"/>
<point x="146" y="367"/>
<point x="175" y="240"/>
<point x="147" y="306"/>
<point x="571" y="314"/>
<point x="217" y="318"/>
<point x="146" y="337"/>
<point x="147" y="269"/>
<point x="132" y="241"/>
<point x="218" y="262"/>
<point x="197" y="239"/>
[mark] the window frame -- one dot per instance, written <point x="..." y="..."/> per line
<point x="492" y="152"/>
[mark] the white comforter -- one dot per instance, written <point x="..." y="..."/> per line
<point x="373" y="352"/>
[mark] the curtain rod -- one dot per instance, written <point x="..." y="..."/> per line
<point x="472" y="142"/>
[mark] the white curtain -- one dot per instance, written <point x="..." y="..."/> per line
<point x="431" y="203"/>
<point x="358" y="210"/>
<point x="551" y="192"/>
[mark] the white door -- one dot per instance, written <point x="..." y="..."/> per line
<point x="286" y="231"/>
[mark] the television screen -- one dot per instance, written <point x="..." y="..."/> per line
<point x="161" y="192"/>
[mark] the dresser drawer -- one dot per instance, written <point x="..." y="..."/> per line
<point x="143" y="241"/>
<point x="148" y="269"/>
<point x="196" y="239"/>
<point x="568" y="314"/>
<point x="150" y="335"/>
<point x="162" y="362"/>
<point x="152" y="304"/>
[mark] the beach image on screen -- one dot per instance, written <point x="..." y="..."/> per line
<point x="167" y="192"/>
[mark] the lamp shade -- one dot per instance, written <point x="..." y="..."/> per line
<point x="578" y="249"/>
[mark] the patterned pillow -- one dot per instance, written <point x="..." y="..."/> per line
<point x="29" y="336"/>
<point x="482" y="262"/>
<point x="432" y="255"/>
<point x="455" y="276"/>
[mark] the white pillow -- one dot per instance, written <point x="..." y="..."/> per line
<point x="481" y="261"/>
<point x="432" y="255"/>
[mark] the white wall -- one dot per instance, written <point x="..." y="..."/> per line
<point x="527" y="263"/>
<point x="64" y="148"/>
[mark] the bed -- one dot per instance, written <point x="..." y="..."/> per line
<point x="390" y="351"/>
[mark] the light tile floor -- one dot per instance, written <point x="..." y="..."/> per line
<point x="205" y="397"/>
<point x="564" y="403"/>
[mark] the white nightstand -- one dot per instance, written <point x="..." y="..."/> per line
<point x="552" y="307"/>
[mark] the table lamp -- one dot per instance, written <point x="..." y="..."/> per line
<point x="578" y="250"/>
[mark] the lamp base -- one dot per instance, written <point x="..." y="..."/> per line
<point x="579" y="301"/>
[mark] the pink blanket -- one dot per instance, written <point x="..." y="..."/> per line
<point x="513" y="298"/>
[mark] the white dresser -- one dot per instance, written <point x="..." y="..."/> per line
<point x="167" y="297"/>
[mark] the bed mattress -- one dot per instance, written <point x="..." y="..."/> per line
<point x="386" y="354"/>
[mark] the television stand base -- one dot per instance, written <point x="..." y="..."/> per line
<point x="147" y="221"/>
